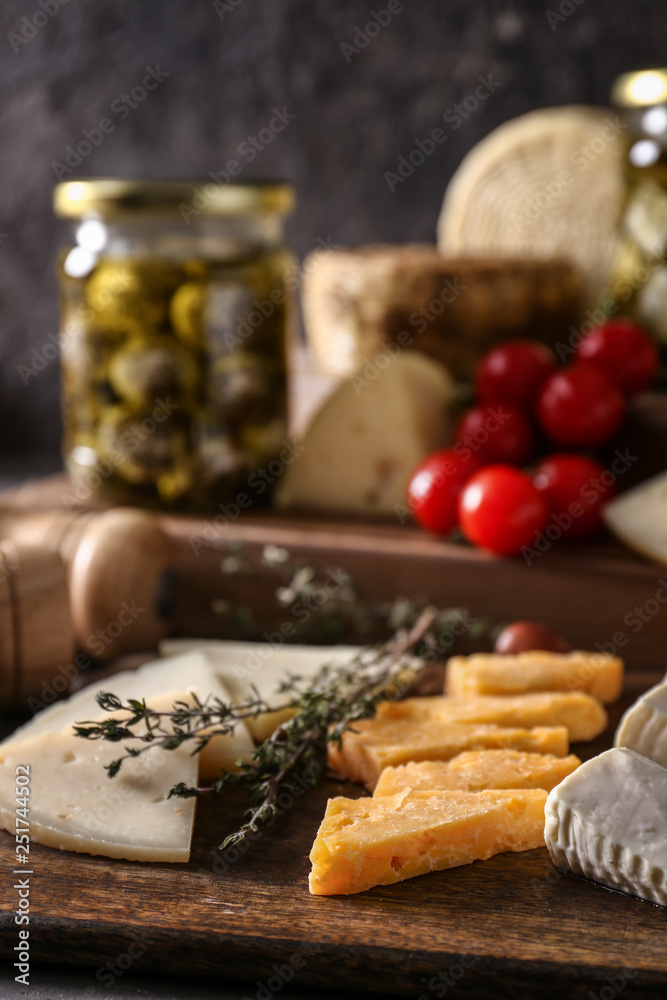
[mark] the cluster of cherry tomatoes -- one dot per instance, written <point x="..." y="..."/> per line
<point x="478" y="486"/>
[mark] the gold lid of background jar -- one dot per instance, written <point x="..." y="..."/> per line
<point x="108" y="196"/>
<point x="640" y="89"/>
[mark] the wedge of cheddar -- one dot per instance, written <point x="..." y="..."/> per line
<point x="374" y="744"/>
<point x="490" y="673"/>
<point x="191" y="673"/>
<point x="607" y="822"/>
<point x="380" y="841"/>
<point x="644" y="726"/>
<point x="74" y="806"/>
<point x="477" y="770"/>
<point x="245" y="668"/>
<point x="582" y="715"/>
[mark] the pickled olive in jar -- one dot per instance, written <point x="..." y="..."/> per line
<point x="141" y="447"/>
<point x="174" y="346"/>
<point x="130" y="296"/>
<point x="239" y="382"/>
<point x="147" y="368"/>
<point x="186" y="312"/>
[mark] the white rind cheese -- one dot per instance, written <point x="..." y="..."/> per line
<point x="191" y="673"/>
<point x="366" y="440"/>
<point x="74" y="806"/>
<point x="644" y="726"/>
<point x="607" y="822"/>
<point x="638" y="518"/>
<point x="242" y="666"/>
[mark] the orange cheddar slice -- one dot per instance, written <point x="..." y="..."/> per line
<point x="366" y="842"/>
<point x="477" y="770"/>
<point x="581" y="714"/>
<point x="374" y="744"/>
<point x="598" y="674"/>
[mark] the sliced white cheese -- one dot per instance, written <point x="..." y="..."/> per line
<point x="638" y="518"/>
<point x="191" y="673"/>
<point x="73" y="805"/>
<point x="644" y="726"/>
<point x="368" y="437"/>
<point x="607" y="822"/>
<point x="242" y="666"/>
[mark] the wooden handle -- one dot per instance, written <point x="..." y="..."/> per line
<point x="101" y="582"/>
<point x="36" y="637"/>
<point x="121" y="574"/>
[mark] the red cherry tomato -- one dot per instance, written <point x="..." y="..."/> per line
<point x="498" y="433"/>
<point x="514" y="372"/>
<point x="580" y="405"/>
<point x="500" y="509"/>
<point x="624" y="351"/>
<point x="434" y="487"/>
<point x="575" y="489"/>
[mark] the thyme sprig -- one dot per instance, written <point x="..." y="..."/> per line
<point x="338" y="696"/>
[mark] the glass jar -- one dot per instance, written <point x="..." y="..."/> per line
<point x="174" y="311"/>
<point x="639" y="280"/>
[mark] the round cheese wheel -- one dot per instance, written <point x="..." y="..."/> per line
<point x="546" y="184"/>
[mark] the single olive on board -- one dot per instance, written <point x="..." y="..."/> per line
<point x="523" y="637"/>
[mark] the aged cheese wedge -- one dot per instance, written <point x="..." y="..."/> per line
<point x="378" y="743"/>
<point x="362" y="304"/>
<point x="477" y="770"/>
<point x="598" y="674"/>
<point x="638" y="518"/>
<point x="74" y="806"/>
<point x="644" y="726"/>
<point x="581" y="714"/>
<point x="242" y="666"/>
<point x="371" y="842"/>
<point x="190" y="673"/>
<point x="364" y="443"/>
<point x="607" y="822"/>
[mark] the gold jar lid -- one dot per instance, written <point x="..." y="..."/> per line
<point x="108" y="196"/>
<point x="640" y="89"/>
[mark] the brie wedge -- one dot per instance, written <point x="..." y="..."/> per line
<point x="607" y="822"/>
<point x="644" y="726"/>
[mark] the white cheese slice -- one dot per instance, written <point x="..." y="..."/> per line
<point x="644" y="726"/>
<point x="74" y="806"/>
<point x="638" y="518"/>
<point x="607" y="822"/>
<point x="242" y="666"/>
<point x="363" y="444"/>
<point x="191" y="672"/>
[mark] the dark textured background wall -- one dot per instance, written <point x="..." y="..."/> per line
<point x="229" y="64"/>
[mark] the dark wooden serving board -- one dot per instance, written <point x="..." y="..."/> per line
<point x="519" y="929"/>
<point x="589" y="592"/>
<point x="510" y="926"/>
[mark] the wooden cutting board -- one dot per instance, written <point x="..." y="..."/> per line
<point x="596" y="593"/>
<point x="510" y="926"/>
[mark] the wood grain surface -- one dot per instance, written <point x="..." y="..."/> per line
<point x="592" y="593"/>
<point x="511" y="926"/>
